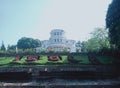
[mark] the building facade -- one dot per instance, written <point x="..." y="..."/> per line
<point x="58" y="42"/>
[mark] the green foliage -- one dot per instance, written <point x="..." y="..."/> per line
<point x="92" y="45"/>
<point x="29" y="50"/>
<point x="105" y="59"/>
<point x="84" y="46"/>
<point x="83" y="58"/>
<point x="101" y="35"/>
<point x="3" y="47"/>
<point x="27" y="43"/>
<point x="65" y="50"/>
<point x="113" y="23"/>
<point x="12" y="47"/>
<point x="98" y="41"/>
<point x="5" y="60"/>
<point x="78" y="46"/>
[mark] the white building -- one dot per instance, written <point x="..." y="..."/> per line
<point x="58" y="42"/>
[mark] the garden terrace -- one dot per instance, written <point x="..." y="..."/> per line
<point x="69" y="59"/>
<point x="62" y="73"/>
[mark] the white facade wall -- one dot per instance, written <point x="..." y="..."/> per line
<point x="45" y="44"/>
<point x="71" y="45"/>
<point x="58" y="42"/>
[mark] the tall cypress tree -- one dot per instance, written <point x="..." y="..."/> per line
<point x="3" y="46"/>
<point x="113" y="22"/>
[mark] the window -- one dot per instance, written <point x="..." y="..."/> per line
<point x="57" y="40"/>
<point x="60" y="40"/>
<point x="55" y="33"/>
<point x="60" y="33"/>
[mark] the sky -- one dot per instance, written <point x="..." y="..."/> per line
<point x="36" y="18"/>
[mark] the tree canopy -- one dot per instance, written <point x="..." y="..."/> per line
<point x="78" y="46"/>
<point x="113" y="22"/>
<point x="11" y="47"/>
<point x="99" y="40"/>
<point x="27" y="43"/>
<point x="3" y="47"/>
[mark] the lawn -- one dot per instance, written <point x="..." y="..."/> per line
<point x="8" y="61"/>
<point x="105" y="59"/>
<point x="83" y="58"/>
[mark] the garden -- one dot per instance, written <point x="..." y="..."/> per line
<point x="66" y="60"/>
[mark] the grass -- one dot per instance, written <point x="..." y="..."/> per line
<point x="5" y="60"/>
<point x="105" y="59"/>
<point x="8" y="61"/>
<point x="83" y="58"/>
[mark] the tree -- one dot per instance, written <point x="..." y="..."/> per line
<point x="83" y="46"/>
<point x="113" y="23"/>
<point x="3" y="46"/>
<point x="100" y="36"/>
<point x="78" y="46"/>
<point x="12" y="47"/>
<point x="27" y="43"/>
<point x="99" y="40"/>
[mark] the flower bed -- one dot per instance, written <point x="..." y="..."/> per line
<point x="18" y="58"/>
<point x="54" y="58"/>
<point x="32" y="58"/>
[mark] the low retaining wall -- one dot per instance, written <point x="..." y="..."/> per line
<point x="93" y="68"/>
<point x="35" y="72"/>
